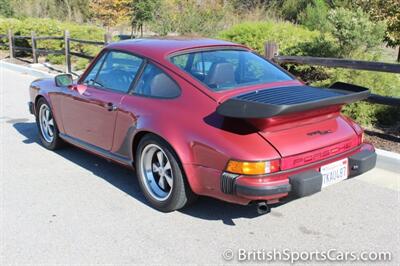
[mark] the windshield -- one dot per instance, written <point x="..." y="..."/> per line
<point x="229" y="69"/>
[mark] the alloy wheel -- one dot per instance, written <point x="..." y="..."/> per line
<point x="46" y="122"/>
<point x="157" y="172"/>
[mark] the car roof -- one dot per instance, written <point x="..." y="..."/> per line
<point x="158" y="49"/>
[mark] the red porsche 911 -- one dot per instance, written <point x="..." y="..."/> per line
<point x="204" y="117"/>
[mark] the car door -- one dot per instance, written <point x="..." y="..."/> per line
<point x="89" y="109"/>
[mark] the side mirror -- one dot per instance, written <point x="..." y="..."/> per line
<point x="63" y="80"/>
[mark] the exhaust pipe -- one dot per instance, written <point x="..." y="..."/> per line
<point x="262" y="207"/>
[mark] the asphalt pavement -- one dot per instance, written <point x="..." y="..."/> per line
<point x="71" y="207"/>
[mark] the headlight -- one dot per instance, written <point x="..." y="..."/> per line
<point x="253" y="168"/>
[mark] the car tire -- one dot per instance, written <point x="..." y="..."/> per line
<point x="47" y="127"/>
<point x="160" y="175"/>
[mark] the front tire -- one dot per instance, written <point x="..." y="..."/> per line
<point x="160" y="175"/>
<point x="48" y="131"/>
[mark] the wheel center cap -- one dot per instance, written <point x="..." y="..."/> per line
<point x="162" y="172"/>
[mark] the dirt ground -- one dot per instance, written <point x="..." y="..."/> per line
<point x="385" y="139"/>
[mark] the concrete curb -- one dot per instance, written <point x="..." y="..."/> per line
<point x="27" y="70"/>
<point x="388" y="160"/>
<point x="388" y="154"/>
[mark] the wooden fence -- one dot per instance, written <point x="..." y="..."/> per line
<point x="36" y="52"/>
<point x="271" y="52"/>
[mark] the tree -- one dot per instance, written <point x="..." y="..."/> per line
<point x="110" y="12"/>
<point x="291" y="9"/>
<point x="354" y="30"/>
<point x="71" y="10"/>
<point x="6" y="9"/>
<point x="77" y="10"/>
<point x="315" y="15"/>
<point x="248" y="4"/>
<point x="389" y="12"/>
<point x="143" y="11"/>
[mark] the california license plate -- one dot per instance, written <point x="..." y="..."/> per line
<point x="334" y="172"/>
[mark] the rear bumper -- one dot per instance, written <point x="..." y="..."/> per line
<point x="361" y="162"/>
<point x="262" y="190"/>
<point x="298" y="183"/>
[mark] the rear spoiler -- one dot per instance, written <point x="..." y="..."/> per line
<point x="266" y="103"/>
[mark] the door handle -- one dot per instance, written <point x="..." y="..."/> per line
<point x="111" y="107"/>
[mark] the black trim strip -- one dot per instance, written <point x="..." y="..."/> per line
<point x="262" y="191"/>
<point x="97" y="150"/>
<point x="138" y="75"/>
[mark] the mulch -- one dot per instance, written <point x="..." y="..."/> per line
<point x="385" y="139"/>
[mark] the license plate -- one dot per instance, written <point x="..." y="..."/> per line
<point x="334" y="172"/>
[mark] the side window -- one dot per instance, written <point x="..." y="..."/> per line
<point x="200" y="66"/>
<point x="118" y="71"/>
<point x="89" y="79"/>
<point x="155" y="83"/>
<point x="181" y="61"/>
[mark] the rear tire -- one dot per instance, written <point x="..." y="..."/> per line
<point x="46" y="124"/>
<point x="160" y="175"/>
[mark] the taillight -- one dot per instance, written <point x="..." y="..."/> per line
<point x="253" y="168"/>
<point x="361" y="137"/>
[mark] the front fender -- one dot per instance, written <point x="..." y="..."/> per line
<point x="47" y="89"/>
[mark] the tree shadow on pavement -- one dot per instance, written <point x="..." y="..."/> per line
<point x="124" y="179"/>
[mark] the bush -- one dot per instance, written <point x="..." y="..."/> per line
<point x="321" y="46"/>
<point x="255" y="34"/>
<point x="355" y="31"/>
<point x="314" y="17"/>
<point x="385" y="84"/>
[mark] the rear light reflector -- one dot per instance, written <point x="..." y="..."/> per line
<point x="361" y="138"/>
<point x="253" y="168"/>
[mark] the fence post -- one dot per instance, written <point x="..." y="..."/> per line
<point x="34" y="54"/>
<point x="271" y="50"/>
<point x="68" y="68"/>
<point x="11" y="43"/>
<point x="107" y="39"/>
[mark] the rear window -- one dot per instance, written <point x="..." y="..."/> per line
<point x="223" y="70"/>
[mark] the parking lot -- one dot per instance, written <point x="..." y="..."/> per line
<point x="71" y="207"/>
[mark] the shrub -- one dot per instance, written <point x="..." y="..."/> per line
<point x="321" y="46"/>
<point x="255" y="34"/>
<point x="385" y="84"/>
<point x="314" y="17"/>
<point x="355" y="31"/>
